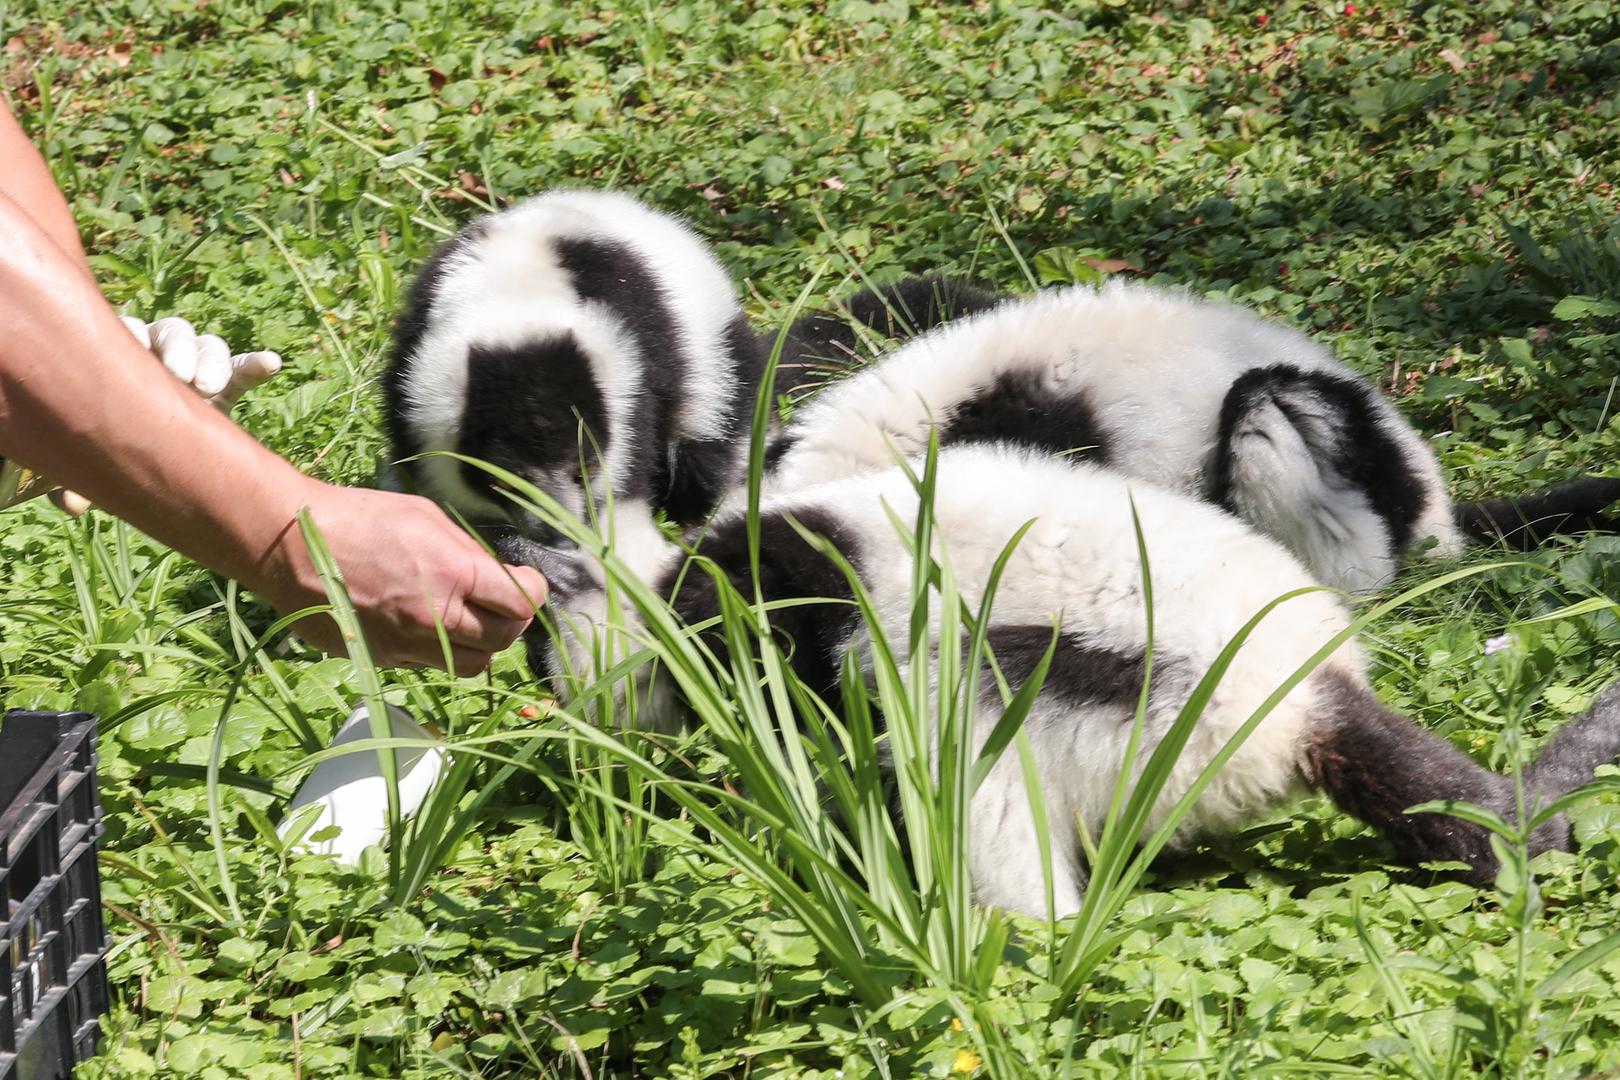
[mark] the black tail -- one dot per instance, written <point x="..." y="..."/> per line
<point x="823" y="345"/>
<point x="1376" y="764"/>
<point x="1522" y="522"/>
<point x="1569" y="758"/>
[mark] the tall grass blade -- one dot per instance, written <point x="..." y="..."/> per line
<point x="341" y="610"/>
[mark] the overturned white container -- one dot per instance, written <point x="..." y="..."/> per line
<point x="352" y="792"/>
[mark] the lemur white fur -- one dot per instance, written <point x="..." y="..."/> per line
<point x="1078" y="568"/>
<point x="1152" y="370"/>
<point x="577" y="299"/>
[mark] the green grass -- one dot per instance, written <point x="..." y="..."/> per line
<point x="1426" y="192"/>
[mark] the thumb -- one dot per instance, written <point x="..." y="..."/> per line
<point x="70" y="502"/>
<point x="511" y="591"/>
<point x="532" y="584"/>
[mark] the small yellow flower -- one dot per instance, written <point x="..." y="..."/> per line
<point x="956" y="1024"/>
<point x="966" y="1061"/>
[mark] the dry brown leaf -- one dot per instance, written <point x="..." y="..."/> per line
<point x="1111" y="266"/>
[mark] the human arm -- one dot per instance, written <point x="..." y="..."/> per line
<point x="203" y="361"/>
<point x="81" y="401"/>
<point x="28" y="183"/>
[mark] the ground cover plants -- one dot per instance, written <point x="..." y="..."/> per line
<point x="1429" y="189"/>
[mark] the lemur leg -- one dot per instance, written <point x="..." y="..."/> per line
<point x="1004" y="851"/>
<point x="1375" y="764"/>
<point x="701" y="473"/>
<point x="1570" y="757"/>
<point x="916" y="305"/>
<point x="821" y="345"/>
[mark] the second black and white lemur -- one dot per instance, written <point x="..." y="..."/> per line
<point x="1078" y="571"/>
<point x="596" y="348"/>
<point x="1201" y="397"/>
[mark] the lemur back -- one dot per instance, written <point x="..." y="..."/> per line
<point x="1199" y="397"/>
<point x="1306" y="451"/>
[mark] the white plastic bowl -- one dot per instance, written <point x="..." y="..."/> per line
<point x="352" y="792"/>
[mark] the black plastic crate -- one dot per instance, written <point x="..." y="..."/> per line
<point x="53" y="969"/>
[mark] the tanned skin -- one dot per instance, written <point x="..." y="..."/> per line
<point x="83" y="403"/>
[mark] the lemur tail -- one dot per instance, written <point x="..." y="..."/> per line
<point x="823" y="345"/>
<point x="1522" y="522"/>
<point x="1376" y="764"/>
<point x="1571" y="756"/>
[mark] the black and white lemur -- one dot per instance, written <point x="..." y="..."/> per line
<point x="1078" y="570"/>
<point x="589" y="310"/>
<point x="1200" y="397"/>
<point x="587" y="343"/>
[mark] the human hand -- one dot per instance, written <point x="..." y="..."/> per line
<point x="407" y="568"/>
<point x="202" y="361"/>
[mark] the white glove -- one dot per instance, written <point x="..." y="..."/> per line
<point x="203" y="362"/>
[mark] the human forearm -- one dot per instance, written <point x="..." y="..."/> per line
<point x="26" y="181"/>
<point x="82" y="401"/>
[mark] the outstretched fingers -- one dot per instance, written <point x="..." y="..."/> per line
<point x="175" y="342"/>
<point x="247" y="371"/>
<point x="213" y="365"/>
